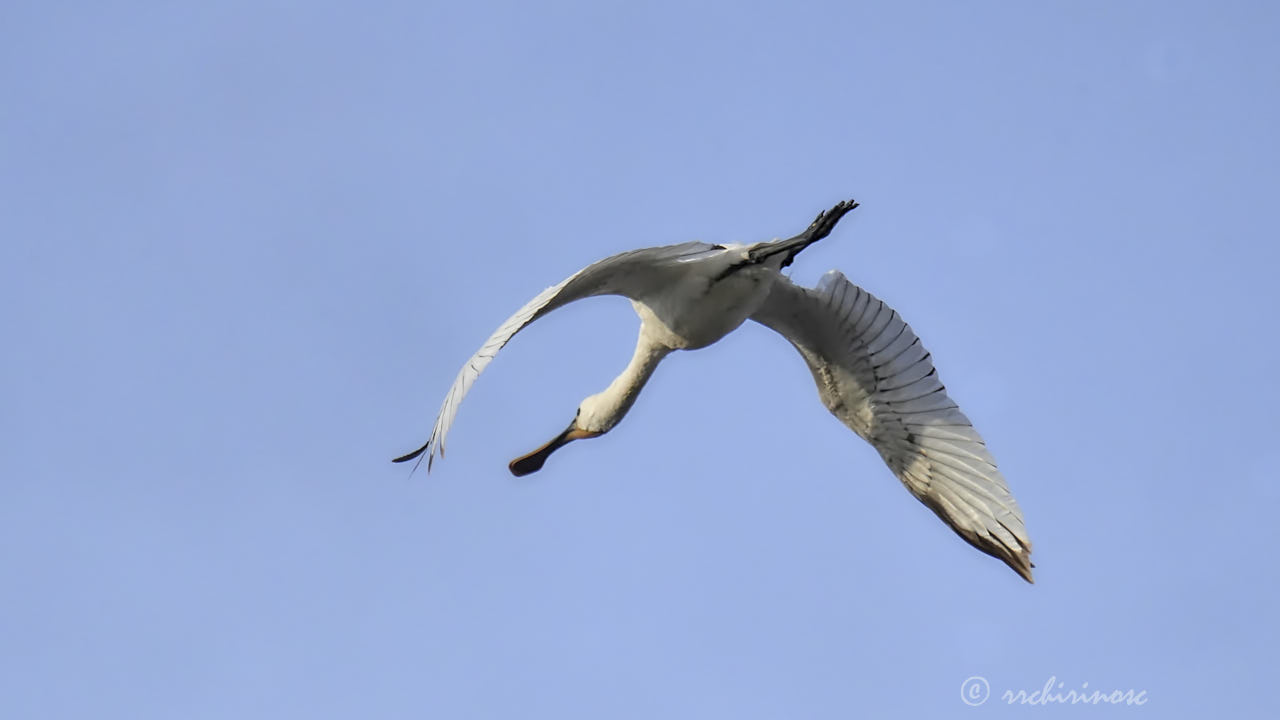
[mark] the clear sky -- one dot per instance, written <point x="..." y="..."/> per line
<point x="246" y="246"/>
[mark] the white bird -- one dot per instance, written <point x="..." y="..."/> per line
<point x="871" y="370"/>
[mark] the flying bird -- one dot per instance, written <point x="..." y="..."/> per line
<point x="871" y="370"/>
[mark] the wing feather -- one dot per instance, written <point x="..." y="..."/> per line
<point x="876" y="377"/>
<point x="630" y="273"/>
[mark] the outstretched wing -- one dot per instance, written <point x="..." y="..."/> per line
<point x="875" y="376"/>
<point x="630" y="273"/>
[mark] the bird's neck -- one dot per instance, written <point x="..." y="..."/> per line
<point x="624" y="389"/>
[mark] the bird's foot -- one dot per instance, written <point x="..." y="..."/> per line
<point x="827" y="219"/>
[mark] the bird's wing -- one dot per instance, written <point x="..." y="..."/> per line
<point x="875" y="376"/>
<point x="630" y="273"/>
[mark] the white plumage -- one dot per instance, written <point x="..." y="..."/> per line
<point x="871" y="370"/>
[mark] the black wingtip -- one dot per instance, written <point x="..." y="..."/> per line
<point x="1023" y="568"/>
<point x="1018" y="560"/>
<point x="412" y="455"/>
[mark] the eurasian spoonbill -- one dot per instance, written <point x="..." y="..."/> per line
<point x="871" y="370"/>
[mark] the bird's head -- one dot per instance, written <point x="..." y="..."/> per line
<point x="598" y="413"/>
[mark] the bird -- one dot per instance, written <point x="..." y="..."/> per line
<point x="871" y="371"/>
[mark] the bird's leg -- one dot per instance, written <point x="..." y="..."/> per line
<point x="818" y="229"/>
<point x="826" y="221"/>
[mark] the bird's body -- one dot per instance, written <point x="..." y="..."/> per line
<point x="870" y="369"/>
<point x="697" y="313"/>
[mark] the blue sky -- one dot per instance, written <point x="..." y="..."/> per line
<point x="246" y="247"/>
